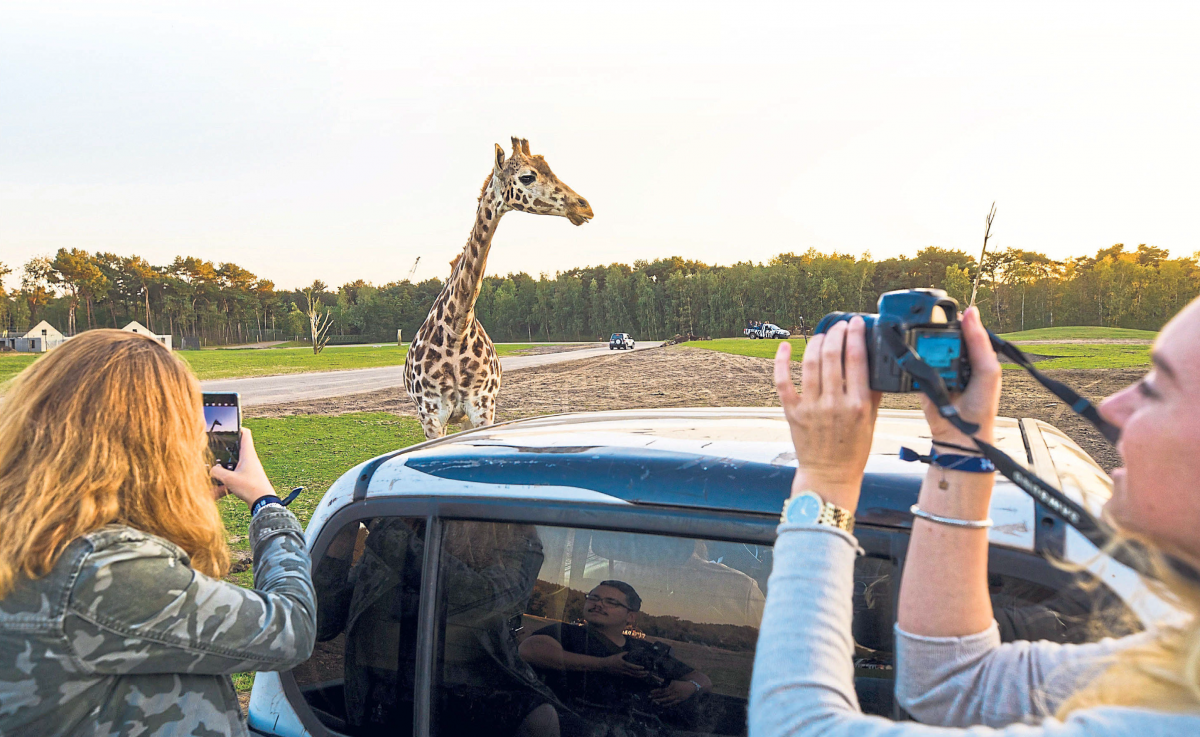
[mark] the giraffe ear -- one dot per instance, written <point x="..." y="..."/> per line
<point x="525" y="147"/>
<point x="499" y="157"/>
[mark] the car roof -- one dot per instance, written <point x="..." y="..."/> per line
<point x="734" y="459"/>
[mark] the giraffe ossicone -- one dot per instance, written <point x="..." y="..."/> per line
<point x="452" y="372"/>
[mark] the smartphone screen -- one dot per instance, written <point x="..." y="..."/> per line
<point x="223" y="423"/>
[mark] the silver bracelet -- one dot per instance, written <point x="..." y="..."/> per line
<point x="970" y="524"/>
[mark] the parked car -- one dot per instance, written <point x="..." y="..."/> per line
<point x="434" y="562"/>
<point x="621" y="341"/>
<point x="765" y="330"/>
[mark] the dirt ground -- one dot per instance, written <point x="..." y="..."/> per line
<point x="688" y="377"/>
<point x="538" y="350"/>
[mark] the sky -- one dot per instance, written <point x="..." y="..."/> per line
<point x="342" y="141"/>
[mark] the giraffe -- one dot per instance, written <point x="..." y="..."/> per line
<point x="452" y="372"/>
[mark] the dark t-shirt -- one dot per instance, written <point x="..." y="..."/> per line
<point x="603" y="688"/>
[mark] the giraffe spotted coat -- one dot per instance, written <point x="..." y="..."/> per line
<point x="452" y="372"/>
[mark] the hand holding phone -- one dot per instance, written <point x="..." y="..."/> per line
<point x="248" y="481"/>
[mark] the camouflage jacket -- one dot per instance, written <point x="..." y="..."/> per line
<point x="122" y="637"/>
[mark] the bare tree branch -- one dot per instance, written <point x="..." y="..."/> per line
<point x="987" y="233"/>
<point x="318" y="323"/>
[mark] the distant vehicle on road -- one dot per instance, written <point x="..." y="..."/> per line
<point x="620" y="340"/>
<point x="765" y="330"/>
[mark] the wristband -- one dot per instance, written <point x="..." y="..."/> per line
<point x="969" y="464"/>
<point x="952" y="446"/>
<point x="263" y="501"/>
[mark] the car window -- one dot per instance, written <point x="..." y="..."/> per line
<point x="502" y="584"/>
<point x="514" y="603"/>
<point x="359" y="680"/>
<point x="1083" y="610"/>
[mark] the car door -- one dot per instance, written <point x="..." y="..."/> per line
<point x="424" y="604"/>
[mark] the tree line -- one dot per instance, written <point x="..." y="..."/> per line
<point x="224" y="303"/>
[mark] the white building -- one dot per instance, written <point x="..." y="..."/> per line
<point x="137" y="327"/>
<point x="43" y="337"/>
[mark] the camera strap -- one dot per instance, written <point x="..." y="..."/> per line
<point x="1080" y="405"/>
<point x="930" y="383"/>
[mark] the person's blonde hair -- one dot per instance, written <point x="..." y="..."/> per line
<point x="106" y="429"/>
<point x="1163" y="673"/>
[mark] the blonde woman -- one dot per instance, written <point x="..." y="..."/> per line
<point x="113" y="617"/>
<point x="952" y="670"/>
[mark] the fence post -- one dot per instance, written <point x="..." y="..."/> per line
<point x="399" y="338"/>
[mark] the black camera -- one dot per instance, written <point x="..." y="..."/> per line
<point x="923" y="320"/>
<point x="652" y="657"/>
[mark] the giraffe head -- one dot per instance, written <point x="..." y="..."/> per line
<point x="525" y="183"/>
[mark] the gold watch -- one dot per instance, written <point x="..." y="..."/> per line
<point x="809" y="508"/>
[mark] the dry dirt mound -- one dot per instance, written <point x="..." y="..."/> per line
<point x="684" y="377"/>
<point x="539" y="350"/>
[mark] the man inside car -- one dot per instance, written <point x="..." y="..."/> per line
<point x="597" y="665"/>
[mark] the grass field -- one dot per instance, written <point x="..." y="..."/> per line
<point x="12" y="364"/>
<point x="1087" y="355"/>
<point x="749" y="347"/>
<point x="1085" y="332"/>
<point x="1066" y="355"/>
<point x="313" y="451"/>
<point x="233" y="364"/>
<point x="243" y="362"/>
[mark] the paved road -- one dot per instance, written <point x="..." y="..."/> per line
<point x="261" y="390"/>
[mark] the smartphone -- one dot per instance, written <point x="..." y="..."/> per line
<point x="223" y="423"/>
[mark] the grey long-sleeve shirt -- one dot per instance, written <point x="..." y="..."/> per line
<point x="803" y="680"/>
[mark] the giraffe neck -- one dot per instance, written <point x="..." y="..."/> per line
<point x="466" y="279"/>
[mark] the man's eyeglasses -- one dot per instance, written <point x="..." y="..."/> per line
<point x="606" y="601"/>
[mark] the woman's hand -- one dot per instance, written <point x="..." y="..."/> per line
<point x="980" y="402"/>
<point x="248" y="481"/>
<point x="832" y="419"/>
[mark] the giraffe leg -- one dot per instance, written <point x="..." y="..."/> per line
<point x="430" y="424"/>
<point x="481" y="411"/>
<point x="444" y="411"/>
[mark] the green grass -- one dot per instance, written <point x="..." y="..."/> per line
<point x="1068" y="355"/>
<point x="243" y="362"/>
<point x="750" y="347"/>
<point x="239" y="363"/>
<point x="1083" y="332"/>
<point x="1087" y="355"/>
<point x="12" y="364"/>
<point x="311" y="451"/>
